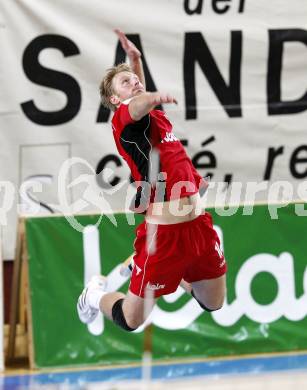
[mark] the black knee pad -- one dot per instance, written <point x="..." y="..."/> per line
<point x="201" y="304"/>
<point x="118" y="315"/>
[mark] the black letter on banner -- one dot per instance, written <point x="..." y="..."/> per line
<point x="196" y="50"/>
<point x="218" y="9"/>
<point x="241" y="6"/>
<point x="120" y="56"/>
<point x="272" y="154"/>
<point x="100" y="167"/>
<point x="196" y="10"/>
<point x="52" y="79"/>
<point x="296" y="160"/>
<point x="275" y="105"/>
<point x="210" y="157"/>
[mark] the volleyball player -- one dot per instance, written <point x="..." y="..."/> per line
<point x="176" y="243"/>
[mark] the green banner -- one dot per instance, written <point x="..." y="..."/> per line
<point x="265" y="310"/>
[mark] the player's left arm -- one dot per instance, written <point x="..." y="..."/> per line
<point x="141" y="105"/>
<point x="134" y="55"/>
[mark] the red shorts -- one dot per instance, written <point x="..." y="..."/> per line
<point x="188" y="250"/>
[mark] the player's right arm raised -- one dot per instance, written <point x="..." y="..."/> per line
<point x="141" y="105"/>
<point x="134" y="55"/>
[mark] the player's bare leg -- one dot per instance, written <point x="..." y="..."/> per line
<point x="210" y="293"/>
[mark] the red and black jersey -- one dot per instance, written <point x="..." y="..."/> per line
<point x="136" y="139"/>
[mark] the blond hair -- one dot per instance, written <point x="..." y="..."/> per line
<point x="106" y="88"/>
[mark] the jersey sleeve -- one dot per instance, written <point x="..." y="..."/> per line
<point x="122" y="115"/>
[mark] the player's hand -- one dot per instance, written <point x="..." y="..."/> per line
<point x="131" y="50"/>
<point x="162" y="98"/>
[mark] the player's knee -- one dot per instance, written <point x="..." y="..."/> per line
<point x="213" y="308"/>
<point x="119" y="317"/>
<point x="217" y="304"/>
<point x="209" y="306"/>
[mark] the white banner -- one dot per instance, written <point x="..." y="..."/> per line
<point x="237" y="68"/>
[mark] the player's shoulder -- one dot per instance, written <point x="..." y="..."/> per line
<point x="121" y="117"/>
<point x="122" y="107"/>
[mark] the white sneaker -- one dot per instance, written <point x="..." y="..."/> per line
<point x="88" y="302"/>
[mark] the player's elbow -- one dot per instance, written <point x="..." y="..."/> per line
<point x="136" y="115"/>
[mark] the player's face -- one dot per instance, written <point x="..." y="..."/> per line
<point x="126" y="85"/>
